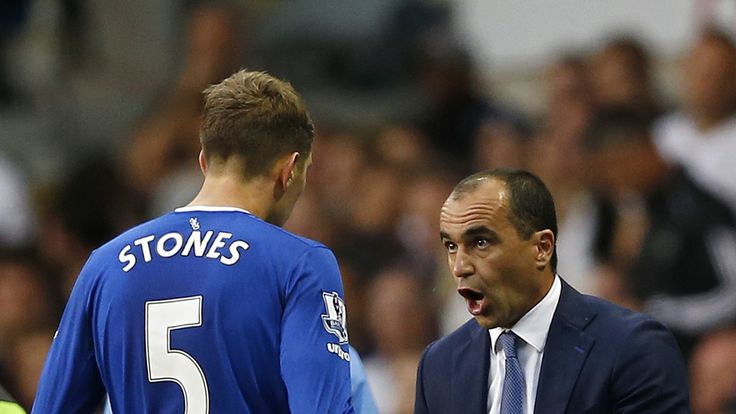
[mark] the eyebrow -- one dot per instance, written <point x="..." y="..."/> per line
<point x="473" y="231"/>
<point x="478" y="230"/>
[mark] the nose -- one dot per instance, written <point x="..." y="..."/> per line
<point x="461" y="264"/>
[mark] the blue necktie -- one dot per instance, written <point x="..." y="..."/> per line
<point x="512" y="399"/>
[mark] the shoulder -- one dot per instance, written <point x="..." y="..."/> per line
<point x="265" y="232"/>
<point x="610" y="320"/>
<point x="285" y="236"/>
<point x="610" y="325"/>
<point x="638" y="357"/>
<point x="621" y="335"/>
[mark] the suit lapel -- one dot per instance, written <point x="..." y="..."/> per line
<point x="469" y="382"/>
<point x="565" y="352"/>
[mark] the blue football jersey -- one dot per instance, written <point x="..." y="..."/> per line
<point x="203" y="310"/>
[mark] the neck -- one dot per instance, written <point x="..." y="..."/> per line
<point x="543" y="289"/>
<point x="227" y="190"/>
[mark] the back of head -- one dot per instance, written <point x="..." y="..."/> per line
<point x="621" y="74"/>
<point x="632" y="51"/>
<point x="710" y="77"/>
<point x="531" y="206"/>
<point x="256" y="118"/>
<point x="616" y="125"/>
<point x="622" y="158"/>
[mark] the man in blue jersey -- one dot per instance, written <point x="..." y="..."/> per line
<point x="213" y="308"/>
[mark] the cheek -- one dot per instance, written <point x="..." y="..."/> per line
<point x="491" y="269"/>
<point x="501" y="271"/>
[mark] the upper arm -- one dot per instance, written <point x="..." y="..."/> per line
<point x="649" y="375"/>
<point x="71" y="381"/>
<point x="314" y="353"/>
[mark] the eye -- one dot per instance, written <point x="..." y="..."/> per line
<point x="482" y="243"/>
<point x="451" y="247"/>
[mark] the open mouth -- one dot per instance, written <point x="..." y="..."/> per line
<point x="474" y="299"/>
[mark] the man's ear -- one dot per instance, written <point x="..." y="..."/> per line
<point x="287" y="169"/>
<point x="202" y="162"/>
<point x="545" y="248"/>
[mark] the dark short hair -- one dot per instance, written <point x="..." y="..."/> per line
<point x="633" y="49"/>
<point x="616" y="125"/>
<point x="717" y="35"/>
<point x="257" y="117"/>
<point x="531" y="207"/>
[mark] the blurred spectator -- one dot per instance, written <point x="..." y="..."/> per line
<point x="334" y="181"/>
<point x="405" y="148"/>
<point x="701" y="137"/>
<point x="26" y="360"/>
<point x="713" y="374"/>
<point x="457" y="108"/>
<point x="308" y="220"/>
<point x="498" y="144"/>
<point x="684" y="240"/>
<point x="159" y="160"/>
<point x="87" y="209"/>
<point x="29" y="303"/>
<point x="371" y="241"/>
<point x="401" y="321"/>
<point x="28" y="298"/>
<point x="555" y="154"/>
<point x="17" y="228"/>
<point x="356" y="301"/>
<point x="621" y="76"/>
<point x="418" y="225"/>
<point x="13" y="14"/>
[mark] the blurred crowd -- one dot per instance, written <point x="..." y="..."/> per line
<point x="645" y="187"/>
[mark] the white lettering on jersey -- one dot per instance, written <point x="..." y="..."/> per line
<point x="126" y="257"/>
<point x="200" y="245"/>
<point x="144" y="243"/>
<point x="173" y="243"/>
<point x="161" y="245"/>
<point x="337" y="350"/>
<point x="234" y="254"/>
<point x="219" y="242"/>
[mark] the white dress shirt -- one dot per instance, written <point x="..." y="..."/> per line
<point x="532" y="329"/>
<point x="706" y="155"/>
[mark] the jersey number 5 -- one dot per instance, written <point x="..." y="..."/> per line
<point x="166" y="364"/>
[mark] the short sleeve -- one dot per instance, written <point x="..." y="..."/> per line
<point x="314" y="342"/>
<point x="70" y="382"/>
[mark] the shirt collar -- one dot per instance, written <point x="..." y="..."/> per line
<point x="534" y="326"/>
<point x="209" y="208"/>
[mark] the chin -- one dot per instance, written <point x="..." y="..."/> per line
<point x="486" y="322"/>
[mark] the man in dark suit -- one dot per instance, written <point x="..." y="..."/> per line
<point x="535" y="344"/>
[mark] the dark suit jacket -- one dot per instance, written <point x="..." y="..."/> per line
<point x="599" y="358"/>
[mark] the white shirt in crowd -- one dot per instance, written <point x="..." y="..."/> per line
<point x="707" y="156"/>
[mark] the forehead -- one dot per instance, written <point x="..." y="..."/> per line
<point x="487" y="204"/>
